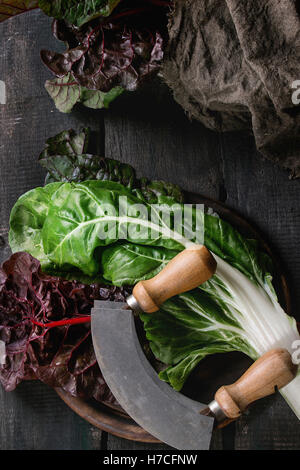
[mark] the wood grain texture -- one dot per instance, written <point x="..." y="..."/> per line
<point x="268" y="199"/>
<point x="150" y="131"/>
<point x="114" y="443"/>
<point x="29" y="116"/>
<point x="33" y="416"/>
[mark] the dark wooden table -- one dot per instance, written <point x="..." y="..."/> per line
<point x="150" y="131"/>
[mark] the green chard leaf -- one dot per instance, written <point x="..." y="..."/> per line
<point x="66" y="93"/>
<point x="66" y="159"/>
<point x="78" y="213"/>
<point x="67" y="227"/>
<point x="77" y="12"/>
<point x="31" y="210"/>
<point x="61" y="224"/>
<point x="145" y="262"/>
<point x="153" y="190"/>
<point x="68" y="143"/>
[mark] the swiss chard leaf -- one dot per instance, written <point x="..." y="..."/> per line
<point x="77" y="12"/>
<point x="144" y="262"/>
<point x="60" y="224"/>
<point x="244" y="254"/>
<point x="177" y="374"/>
<point x="67" y="230"/>
<point x="189" y="326"/>
<point x="67" y="159"/>
<point x="152" y="191"/>
<point x="216" y="317"/>
<point x="15" y="7"/>
<point x="66" y="93"/>
<point x="38" y="224"/>
<point x="32" y="211"/>
<point x="68" y="143"/>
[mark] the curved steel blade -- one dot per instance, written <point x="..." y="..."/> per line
<point x="153" y="404"/>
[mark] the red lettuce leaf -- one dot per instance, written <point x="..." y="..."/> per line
<point x="61" y="356"/>
<point x="119" y="51"/>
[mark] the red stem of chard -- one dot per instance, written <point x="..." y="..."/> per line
<point x="69" y="321"/>
<point x="78" y="321"/>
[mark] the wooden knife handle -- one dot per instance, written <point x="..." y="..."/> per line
<point x="187" y="270"/>
<point x="271" y="371"/>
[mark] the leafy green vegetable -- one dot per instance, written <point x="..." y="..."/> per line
<point x="67" y="159"/>
<point x="68" y="143"/>
<point x="237" y="310"/>
<point x="15" y="7"/>
<point x="153" y="190"/>
<point x="31" y="211"/>
<point x="66" y="93"/>
<point x="77" y="12"/>
<point x="80" y="217"/>
<point x="144" y="262"/>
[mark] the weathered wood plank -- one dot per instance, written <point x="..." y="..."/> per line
<point x="29" y="116"/>
<point x="115" y="443"/>
<point x="32" y="417"/>
<point x="150" y="131"/>
<point x="267" y="198"/>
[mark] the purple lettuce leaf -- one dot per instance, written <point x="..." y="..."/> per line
<point x="119" y="51"/>
<point x="60" y="356"/>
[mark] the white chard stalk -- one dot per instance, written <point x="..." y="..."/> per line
<point x="264" y="324"/>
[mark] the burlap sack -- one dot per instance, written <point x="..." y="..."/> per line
<point x="232" y="64"/>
